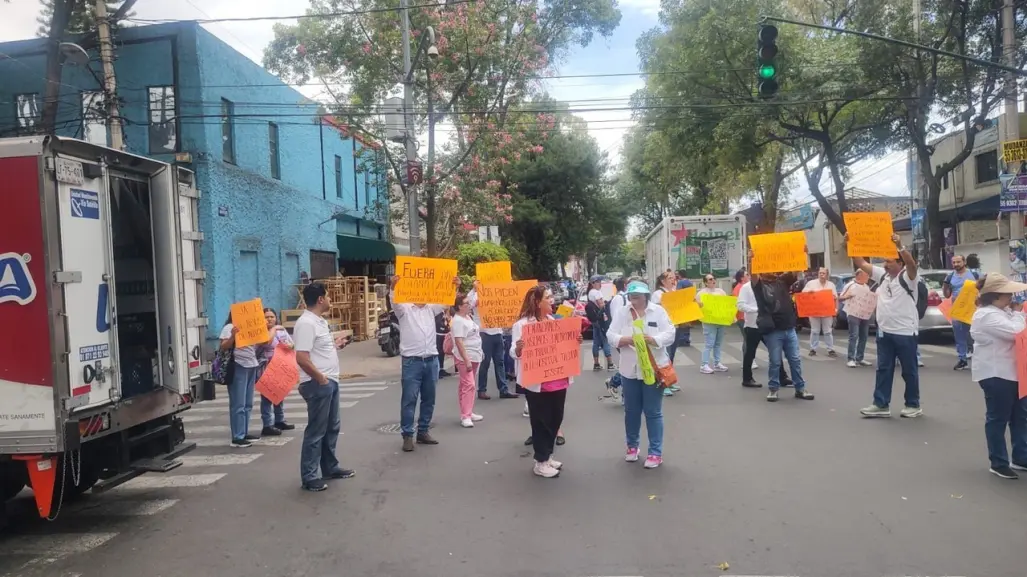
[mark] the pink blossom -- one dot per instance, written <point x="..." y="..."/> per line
<point x="366" y="47"/>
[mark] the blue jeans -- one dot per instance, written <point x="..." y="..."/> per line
<point x="418" y="379"/>
<point x="240" y="400"/>
<point x="1004" y="409"/>
<point x="879" y="333"/>
<point x="858" y="331"/>
<point x="961" y="331"/>
<point x="901" y="348"/>
<point x="599" y="341"/>
<point x="683" y="335"/>
<point x="492" y="352"/>
<point x="714" y="336"/>
<point x="507" y="359"/>
<point x="266" y="417"/>
<point x="642" y="398"/>
<point x="322" y="431"/>
<point x="784" y="343"/>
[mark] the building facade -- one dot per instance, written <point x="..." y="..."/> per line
<point x="287" y="192"/>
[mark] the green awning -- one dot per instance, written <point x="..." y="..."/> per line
<point x="355" y="248"/>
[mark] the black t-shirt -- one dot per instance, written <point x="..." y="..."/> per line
<point x="774" y="302"/>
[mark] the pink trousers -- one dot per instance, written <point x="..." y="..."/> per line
<point x="468" y="388"/>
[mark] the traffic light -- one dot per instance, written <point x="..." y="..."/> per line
<point x="766" y="68"/>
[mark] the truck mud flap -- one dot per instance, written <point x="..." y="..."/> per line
<point x="159" y="464"/>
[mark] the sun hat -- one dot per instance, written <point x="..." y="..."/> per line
<point x="998" y="283"/>
<point x="638" y="288"/>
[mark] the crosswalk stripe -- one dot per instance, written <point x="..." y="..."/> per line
<point x="169" y="481"/>
<point x="355" y="395"/>
<point x="125" y="508"/>
<point x="224" y="429"/>
<point x="56" y="545"/>
<point x="219" y="460"/>
<point x="219" y="442"/>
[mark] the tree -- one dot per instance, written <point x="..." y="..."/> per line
<point x="489" y="55"/>
<point x="81" y="20"/>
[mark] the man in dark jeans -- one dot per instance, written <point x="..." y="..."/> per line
<point x="776" y="319"/>
<point x="753" y="338"/>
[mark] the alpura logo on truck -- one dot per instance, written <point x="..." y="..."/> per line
<point x="16" y="284"/>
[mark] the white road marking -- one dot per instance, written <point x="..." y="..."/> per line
<point x="54" y="546"/>
<point x="224" y="429"/>
<point x="362" y="389"/>
<point x="126" y="508"/>
<point x="355" y="395"/>
<point x="346" y="385"/>
<point x="218" y="442"/>
<point x="219" y="460"/>
<point x="169" y="481"/>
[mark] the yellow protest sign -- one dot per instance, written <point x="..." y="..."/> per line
<point x="248" y="317"/>
<point x="1014" y="150"/>
<point x="425" y="280"/>
<point x="681" y="306"/>
<point x="870" y="234"/>
<point x="719" y="309"/>
<point x="778" y="252"/>
<point x="565" y="310"/>
<point x="499" y="303"/>
<point x="965" y="305"/>
<point x="493" y="271"/>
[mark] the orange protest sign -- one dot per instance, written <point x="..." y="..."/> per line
<point x="816" y="304"/>
<point x="551" y="351"/>
<point x="281" y="375"/>
<point x="1021" y="362"/>
<point x="425" y="280"/>
<point x="681" y="306"/>
<point x="499" y="303"/>
<point x="493" y="271"/>
<point x="778" y="252"/>
<point x="945" y="308"/>
<point x="870" y="234"/>
<point x="965" y="305"/>
<point x="248" y="317"/>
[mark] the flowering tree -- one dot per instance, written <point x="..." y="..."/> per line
<point x="491" y="55"/>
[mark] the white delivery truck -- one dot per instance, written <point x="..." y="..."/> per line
<point x="101" y="304"/>
<point x="697" y="244"/>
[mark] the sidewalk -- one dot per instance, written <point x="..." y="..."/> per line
<point x="366" y="359"/>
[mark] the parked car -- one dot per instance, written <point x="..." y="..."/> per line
<point x="933" y="321"/>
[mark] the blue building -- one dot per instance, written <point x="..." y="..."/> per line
<point x="285" y="189"/>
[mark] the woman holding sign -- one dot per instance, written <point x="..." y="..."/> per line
<point x="995" y="328"/>
<point x="713" y="334"/>
<point x="545" y="400"/>
<point x="240" y="389"/>
<point x="643" y="333"/>
<point x="276" y="423"/>
<point x="468" y="353"/>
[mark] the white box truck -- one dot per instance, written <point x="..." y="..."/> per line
<point x="101" y="300"/>
<point x="698" y="244"/>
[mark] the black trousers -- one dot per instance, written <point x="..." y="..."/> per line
<point x="753" y="339"/>
<point x="546" y="412"/>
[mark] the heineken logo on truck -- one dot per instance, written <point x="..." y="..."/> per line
<point x="16" y="284"/>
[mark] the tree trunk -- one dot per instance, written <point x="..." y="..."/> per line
<point x="52" y="91"/>
<point x="935" y="232"/>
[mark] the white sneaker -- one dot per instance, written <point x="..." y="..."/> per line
<point x="911" y="412"/>
<point x="866" y="363"/>
<point x="546" y="470"/>
<point x="476" y="417"/>
<point x="555" y="464"/>
<point x="851" y="364"/>
<point x="525" y="412"/>
<point x="720" y="368"/>
<point x="755" y="366"/>
<point x="706" y="370"/>
<point x="466" y="423"/>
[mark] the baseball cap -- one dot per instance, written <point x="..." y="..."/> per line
<point x="638" y="288"/>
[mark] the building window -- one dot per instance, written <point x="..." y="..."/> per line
<point x="945" y="182"/>
<point x="163" y="134"/>
<point x="28" y="114"/>
<point x="227" y="131"/>
<point x="338" y="176"/>
<point x="272" y="145"/>
<point x="94" y="127"/>
<point x="356" y="189"/>
<point x="322" y="264"/>
<point x="367" y="188"/>
<point x="986" y="166"/>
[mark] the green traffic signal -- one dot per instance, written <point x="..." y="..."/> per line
<point x="767" y="71"/>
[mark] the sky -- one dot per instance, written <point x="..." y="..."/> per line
<point x="615" y="58"/>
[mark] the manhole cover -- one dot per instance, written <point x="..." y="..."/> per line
<point x="394" y="428"/>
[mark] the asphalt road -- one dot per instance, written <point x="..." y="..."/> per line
<point x="747" y="488"/>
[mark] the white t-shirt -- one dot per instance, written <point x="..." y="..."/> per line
<point x="245" y="356"/>
<point x="466" y="329"/>
<point x="472" y="299"/>
<point x="896" y="311"/>
<point x="312" y="335"/>
<point x="657" y="298"/>
<point x="595" y="295"/>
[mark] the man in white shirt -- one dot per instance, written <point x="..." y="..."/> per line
<point x="420" y="354"/>
<point x="318" y="359"/>
<point x="493" y="352"/>
<point x="898" y="322"/>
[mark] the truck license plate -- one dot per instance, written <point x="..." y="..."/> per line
<point x="70" y="172"/>
<point x="384" y="330"/>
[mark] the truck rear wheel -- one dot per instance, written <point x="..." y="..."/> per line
<point x="13" y="477"/>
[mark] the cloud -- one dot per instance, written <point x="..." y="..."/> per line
<point x="650" y="8"/>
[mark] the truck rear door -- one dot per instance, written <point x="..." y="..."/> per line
<point x="87" y="279"/>
<point x="192" y="272"/>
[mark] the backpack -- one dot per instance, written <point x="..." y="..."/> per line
<point x="921" y="294"/>
<point x="593" y="313"/>
<point x="223" y="369"/>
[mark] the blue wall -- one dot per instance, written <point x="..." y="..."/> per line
<point x="259" y="230"/>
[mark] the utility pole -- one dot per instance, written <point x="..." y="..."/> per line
<point x="408" y="123"/>
<point x="52" y="92"/>
<point x="110" y="85"/>
<point x="1011" y="111"/>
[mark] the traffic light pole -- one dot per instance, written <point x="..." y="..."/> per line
<point x="978" y="61"/>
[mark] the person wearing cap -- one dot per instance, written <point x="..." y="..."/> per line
<point x="994" y="328"/>
<point x="898" y="323"/>
<point x="651" y="321"/>
<point x="598" y="315"/>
